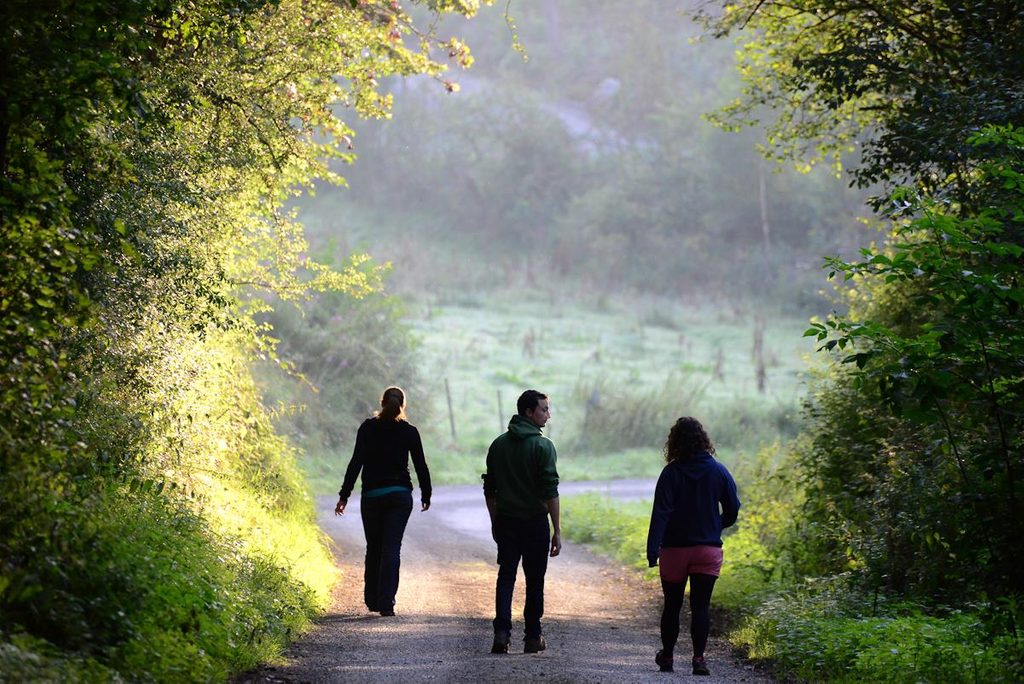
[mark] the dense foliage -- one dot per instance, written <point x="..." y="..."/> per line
<point x="908" y="82"/>
<point x="934" y="340"/>
<point x="151" y="523"/>
<point x="912" y="457"/>
<point x="920" y="440"/>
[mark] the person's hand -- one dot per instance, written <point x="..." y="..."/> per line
<point x="339" y="509"/>
<point x="424" y="506"/>
<point x="556" y="544"/>
<point x="652" y="563"/>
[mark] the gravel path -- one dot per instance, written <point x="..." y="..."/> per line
<point x="600" y="622"/>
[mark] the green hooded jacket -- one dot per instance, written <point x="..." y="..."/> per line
<point x="521" y="473"/>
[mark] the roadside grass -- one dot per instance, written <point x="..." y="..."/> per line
<point x="199" y="560"/>
<point x="618" y="374"/>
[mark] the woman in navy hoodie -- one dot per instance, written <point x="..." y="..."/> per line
<point x="695" y="499"/>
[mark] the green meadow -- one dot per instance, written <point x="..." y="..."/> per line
<point x="618" y="372"/>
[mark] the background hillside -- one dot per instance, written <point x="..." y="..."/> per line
<point x="577" y="194"/>
<point x="586" y="164"/>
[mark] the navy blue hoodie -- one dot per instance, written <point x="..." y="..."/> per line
<point x="693" y="502"/>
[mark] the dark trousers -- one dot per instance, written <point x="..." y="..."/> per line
<point x="701" y="587"/>
<point x="527" y="540"/>
<point x="384" y="520"/>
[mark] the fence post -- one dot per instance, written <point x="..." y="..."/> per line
<point x="451" y="413"/>
<point x="501" y="414"/>
<point x="758" y="353"/>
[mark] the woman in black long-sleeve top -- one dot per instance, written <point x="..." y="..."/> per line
<point x="384" y="444"/>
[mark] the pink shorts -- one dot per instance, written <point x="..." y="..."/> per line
<point x="676" y="563"/>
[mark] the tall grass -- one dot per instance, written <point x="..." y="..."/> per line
<point x="828" y="631"/>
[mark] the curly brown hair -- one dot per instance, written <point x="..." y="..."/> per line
<point x="686" y="439"/>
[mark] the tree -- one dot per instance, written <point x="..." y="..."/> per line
<point x="915" y="461"/>
<point x="907" y="82"/>
<point x="934" y="335"/>
<point x="147" y="150"/>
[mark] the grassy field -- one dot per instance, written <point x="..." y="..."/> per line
<point x="618" y="373"/>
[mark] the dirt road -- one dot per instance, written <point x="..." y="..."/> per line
<point x="600" y="623"/>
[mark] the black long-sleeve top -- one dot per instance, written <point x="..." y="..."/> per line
<point x="382" y="452"/>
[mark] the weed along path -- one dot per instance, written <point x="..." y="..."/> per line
<point x="601" y="621"/>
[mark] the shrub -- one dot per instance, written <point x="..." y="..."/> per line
<point x="618" y="416"/>
<point x="824" y="631"/>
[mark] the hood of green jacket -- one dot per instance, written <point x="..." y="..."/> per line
<point x="522" y="427"/>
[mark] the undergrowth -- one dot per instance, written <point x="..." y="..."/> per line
<point x="152" y="559"/>
<point x="823" y="630"/>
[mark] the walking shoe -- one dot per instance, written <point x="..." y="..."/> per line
<point x="501" y="640"/>
<point x="699" y="666"/>
<point x="387" y="612"/>
<point x="664" y="661"/>
<point x="534" y="644"/>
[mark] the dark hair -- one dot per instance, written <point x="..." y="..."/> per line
<point x="686" y="439"/>
<point x="392" y="404"/>
<point x="528" y="400"/>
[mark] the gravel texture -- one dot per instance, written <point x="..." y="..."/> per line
<point x="600" y="623"/>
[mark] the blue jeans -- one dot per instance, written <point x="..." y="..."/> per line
<point x="527" y="540"/>
<point x="384" y="520"/>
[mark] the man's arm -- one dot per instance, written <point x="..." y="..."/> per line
<point x="490" y="496"/>
<point x="492" y="504"/>
<point x="556" y="526"/>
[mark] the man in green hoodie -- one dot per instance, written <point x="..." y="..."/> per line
<point x="521" y="489"/>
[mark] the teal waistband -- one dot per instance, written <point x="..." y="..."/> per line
<point x="381" y="491"/>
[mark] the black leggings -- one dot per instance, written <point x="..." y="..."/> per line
<point x="701" y="587"/>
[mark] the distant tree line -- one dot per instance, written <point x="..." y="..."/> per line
<point x="590" y="163"/>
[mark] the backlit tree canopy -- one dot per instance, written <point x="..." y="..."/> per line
<point x="911" y="80"/>
<point x="915" y="460"/>
<point x="146" y="151"/>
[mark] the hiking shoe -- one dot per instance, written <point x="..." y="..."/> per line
<point x="534" y="644"/>
<point x="664" y="661"/>
<point x="501" y="640"/>
<point x="387" y="612"/>
<point x="700" y="667"/>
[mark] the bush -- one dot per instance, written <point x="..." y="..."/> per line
<point x="616" y="529"/>
<point x="824" y="631"/>
<point x="139" y="585"/>
<point x="619" y="417"/>
<point x="344" y="351"/>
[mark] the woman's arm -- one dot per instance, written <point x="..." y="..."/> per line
<point x="419" y="462"/>
<point x="355" y="465"/>
<point x="664" y="503"/>
<point x="729" y="500"/>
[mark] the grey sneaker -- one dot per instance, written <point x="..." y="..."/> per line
<point x="534" y="644"/>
